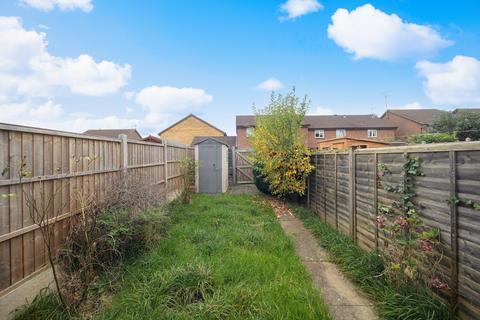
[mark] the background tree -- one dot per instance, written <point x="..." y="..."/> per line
<point x="280" y="152"/>
<point x="445" y="123"/>
<point x="468" y="125"/>
<point x="465" y="124"/>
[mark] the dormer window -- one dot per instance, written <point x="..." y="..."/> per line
<point x="372" y="133"/>
<point x="319" y="134"/>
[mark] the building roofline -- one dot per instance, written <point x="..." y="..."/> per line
<point x="129" y="129"/>
<point x="188" y="116"/>
<point x="408" y="118"/>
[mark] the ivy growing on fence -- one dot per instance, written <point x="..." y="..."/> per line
<point x="411" y="249"/>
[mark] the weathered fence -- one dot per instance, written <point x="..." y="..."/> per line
<point x="242" y="168"/>
<point x="346" y="191"/>
<point x="59" y="165"/>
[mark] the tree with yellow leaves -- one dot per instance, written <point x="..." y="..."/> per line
<point x="279" y="147"/>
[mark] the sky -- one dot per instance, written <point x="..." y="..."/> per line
<point x="75" y="65"/>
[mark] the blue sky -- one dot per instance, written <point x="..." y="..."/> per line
<point x="81" y="64"/>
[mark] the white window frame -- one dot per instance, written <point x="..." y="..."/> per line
<point x="340" y="133"/>
<point x="319" y="134"/>
<point x="372" y="133"/>
<point x="249" y="131"/>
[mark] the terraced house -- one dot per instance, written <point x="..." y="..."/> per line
<point x="411" y="121"/>
<point x="367" y="129"/>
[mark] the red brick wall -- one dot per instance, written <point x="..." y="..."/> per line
<point x="405" y="127"/>
<point x="242" y="140"/>
<point x="383" y="134"/>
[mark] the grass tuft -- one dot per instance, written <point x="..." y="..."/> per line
<point x="225" y="257"/>
<point x="366" y="270"/>
<point x="46" y="305"/>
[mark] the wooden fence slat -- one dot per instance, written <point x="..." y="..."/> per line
<point x="453" y="229"/>
<point x="54" y="168"/>
<point x="4" y="212"/>
<point x="16" y="207"/>
<point x="28" y="239"/>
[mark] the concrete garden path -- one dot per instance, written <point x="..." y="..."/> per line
<point x="341" y="296"/>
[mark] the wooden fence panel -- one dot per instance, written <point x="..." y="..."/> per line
<point x="53" y="167"/>
<point x="365" y="201"/>
<point x="448" y="195"/>
<point x="343" y="194"/>
<point x="468" y="188"/>
<point x="243" y="170"/>
<point x="330" y="190"/>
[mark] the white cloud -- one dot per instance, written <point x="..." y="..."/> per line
<point x="129" y="95"/>
<point x="161" y="102"/>
<point x="453" y="82"/>
<point x="52" y="116"/>
<point x="321" y="111"/>
<point x="64" y="5"/>
<point x="297" y="8"/>
<point x="28" y="70"/>
<point x="412" y="105"/>
<point x="367" y="32"/>
<point x="271" y="84"/>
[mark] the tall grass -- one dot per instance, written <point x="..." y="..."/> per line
<point x="225" y="257"/>
<point x="366" y="269"/>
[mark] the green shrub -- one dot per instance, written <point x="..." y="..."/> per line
<point x="123" y="236"/>
<point x="149" y="227"/>
<point x="259" y="180"/>
<point x="279" y="145"/>
<point x="432" y="138"/>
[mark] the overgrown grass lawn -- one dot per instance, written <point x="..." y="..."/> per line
<point x="225" y="257"/>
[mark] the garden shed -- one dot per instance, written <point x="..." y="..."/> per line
<point x="212" y="172"/>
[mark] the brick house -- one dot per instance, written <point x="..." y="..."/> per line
<point x="411" y="121"/>
<point x="189" y="127"/>
<point x="320" y="128"/>
<point x="131" y="134"/>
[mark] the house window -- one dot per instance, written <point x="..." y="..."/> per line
<point x="250" y="131"/>
<point x="340" y="133"/>
<point x="319" y="134"/>
<point x="372" y="133"/>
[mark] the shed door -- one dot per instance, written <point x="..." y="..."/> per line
<point x="210" y="170"/>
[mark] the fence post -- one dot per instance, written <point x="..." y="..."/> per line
<point x="453" y="229"/>
<point x="234" y="166"/>
<point x="353" y="222"/>
<point x="165" y="165"/>
<point x="123" y="153"/>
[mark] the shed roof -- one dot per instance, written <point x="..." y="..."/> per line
<point x="230" y="141"/>
<point x="213" y="139"/>
<point x="363" y="121"/>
